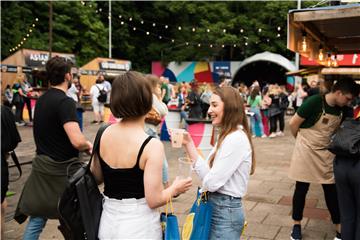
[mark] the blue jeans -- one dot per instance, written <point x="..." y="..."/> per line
<point x="256" y="118"/>
<point x="227" y="221"/>
<point x="34" y="228"/>
<point x="165" y="167"/>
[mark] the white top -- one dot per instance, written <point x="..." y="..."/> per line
<point x="231" y="169"/>
<point x="95" y="92"/>
<point x="107" y="85"/>
<point x="72" y="92"/>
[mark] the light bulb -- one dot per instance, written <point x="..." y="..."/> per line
<point x="193" y="29"/>
<point x="334" y="62"/>
<point x="321" y="55"/>
<point x="328" y="60"/>
<point x="303" y="44"/>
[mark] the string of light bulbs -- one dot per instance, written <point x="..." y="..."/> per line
<point x="24" y="38"/>
<point x="130" y="21"/>
<point x="180" y="28"/>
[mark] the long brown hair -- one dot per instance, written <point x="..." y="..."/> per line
<point x="234" y="115"/>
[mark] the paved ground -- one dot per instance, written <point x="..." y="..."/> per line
<point x="267" y="204"/>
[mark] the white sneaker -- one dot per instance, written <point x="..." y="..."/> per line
<point x="280" y="134"/>
<point x="272" y="135"/>
<point x="263" y="136"/>
<point x="253" y="136"/>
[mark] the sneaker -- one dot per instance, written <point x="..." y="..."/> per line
<point x="296" y="232"/>
<point x="253" y="136"/>
<point x="272" y="135"/>
<point x="280" y="134"/>
<point x="20" y="124"/>
<point x="263" y="136"/>
<point x="338" y="236"/>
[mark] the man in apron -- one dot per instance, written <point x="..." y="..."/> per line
<point x="312" y="126"/>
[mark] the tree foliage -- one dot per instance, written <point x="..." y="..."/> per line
<point x="82" y="28"/>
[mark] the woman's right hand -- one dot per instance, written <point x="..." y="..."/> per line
<point x="181" y="185"/>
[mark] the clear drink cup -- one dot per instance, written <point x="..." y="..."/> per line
<point x="184" y="167"/>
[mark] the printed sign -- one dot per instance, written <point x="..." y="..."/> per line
<point x="114" y="66"/>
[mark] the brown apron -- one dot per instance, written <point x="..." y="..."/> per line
<point x="311" y="161"/>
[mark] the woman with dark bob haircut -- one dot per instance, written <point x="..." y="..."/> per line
<point x="129" y="162"/>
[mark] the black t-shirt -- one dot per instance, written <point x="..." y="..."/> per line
<point x="52" y="111"/>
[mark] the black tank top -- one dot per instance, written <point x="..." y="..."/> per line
<point x="124" y="182"/>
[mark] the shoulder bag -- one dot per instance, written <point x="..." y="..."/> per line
<point x="346" y="140"/>
<point x="80" y="205"/>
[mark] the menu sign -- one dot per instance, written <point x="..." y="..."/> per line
<point x="111" y="65"/>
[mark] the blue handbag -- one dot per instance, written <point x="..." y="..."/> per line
<point x="169" y="223"/>
<point x="197" y="222"/>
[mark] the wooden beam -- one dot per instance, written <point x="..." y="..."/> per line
<point x="328" y="14"/>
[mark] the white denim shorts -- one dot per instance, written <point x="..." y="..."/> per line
<point x="129" y="219"/>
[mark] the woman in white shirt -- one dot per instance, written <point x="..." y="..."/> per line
<point x="225" y="174"/>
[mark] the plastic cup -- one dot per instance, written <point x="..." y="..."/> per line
<point x="177" y="136"/>
<point x="184" y="167"/>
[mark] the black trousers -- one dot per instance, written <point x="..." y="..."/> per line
<point x="301" y="189"/>
<point x="27" y="102"/>
<point x="347" y="177"/>
<point x="18" y="111"/>
<point x="277" y="118"/>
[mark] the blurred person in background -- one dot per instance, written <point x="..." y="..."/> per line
<point x="27" y="90"/>
<point x="18" y="101"/>
<point x="152" y="126"/>
<point x="254" y="101"/>
<point x="194" y="102"/>
<point x="98" y="107"/>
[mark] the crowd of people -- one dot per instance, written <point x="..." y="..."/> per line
<point x="136" y="182"/>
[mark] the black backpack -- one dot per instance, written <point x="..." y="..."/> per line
<point x="80" y="205"/>
<point x="102" y="95"/>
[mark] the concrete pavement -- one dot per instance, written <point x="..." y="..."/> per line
<point x="267" y="203"/>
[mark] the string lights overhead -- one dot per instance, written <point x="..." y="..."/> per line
<point x="25" y="37"/>
<point x="138" y="25"/>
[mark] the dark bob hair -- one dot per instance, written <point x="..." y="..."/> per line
<point x="131" y="96"/>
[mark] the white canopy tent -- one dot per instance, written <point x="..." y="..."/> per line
<point x="270" y="57"/>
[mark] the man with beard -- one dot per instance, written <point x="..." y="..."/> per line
<point x="58" y="141"/>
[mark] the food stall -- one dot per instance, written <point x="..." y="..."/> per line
<point x="328" y="41"/>
<point x="30" y="62"/>
<point x="110" y="67"/>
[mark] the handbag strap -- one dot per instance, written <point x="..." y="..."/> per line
<point x="96" y="146"/>
<point x="169" y="203"/>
